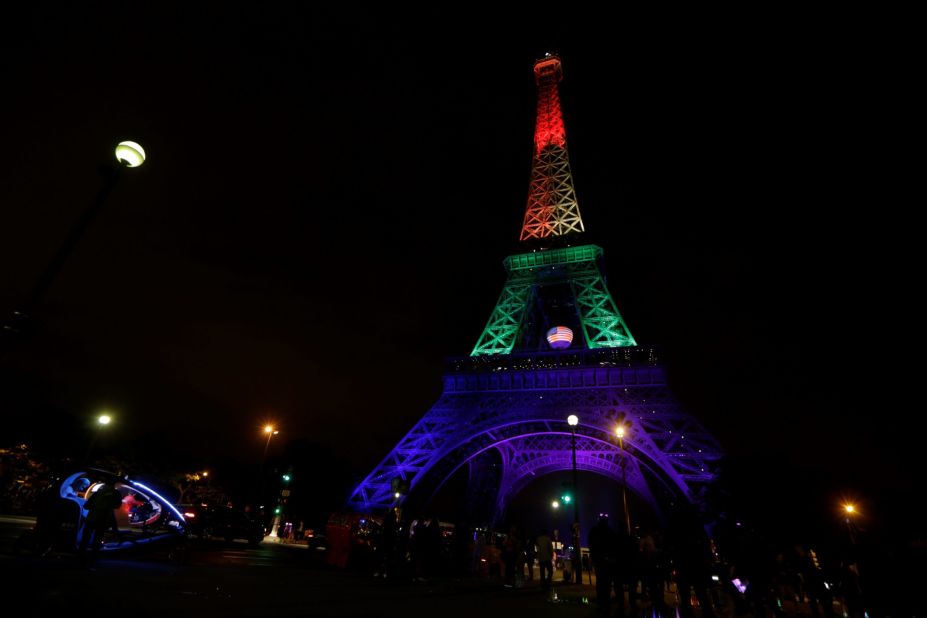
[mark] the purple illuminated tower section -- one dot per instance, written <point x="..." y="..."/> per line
<point x="502" y="415"/>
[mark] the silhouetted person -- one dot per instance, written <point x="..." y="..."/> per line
<point x="52" y="512"/>
<point x="545" y="549"/>
<point x="387" y="544"/>
<point x="530" y="555"/>
<point x="653" y="573"/>
<point x="433" y="542"/>
<point x="628" y="570"/>
<point x="101" y="516"/>
<point x="691" y="554"/>
<point x="510" y="548"/>
<point x="603" y="549"/>
<point x="812" y="579"/>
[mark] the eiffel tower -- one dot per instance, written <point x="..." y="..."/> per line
<point x="502" y="415"/>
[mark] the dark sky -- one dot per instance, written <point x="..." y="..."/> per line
<point x="329" y="196"/>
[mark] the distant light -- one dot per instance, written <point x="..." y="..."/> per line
<point x="130" y="154"/>
<point x="849" y="508"/>
<point x="205" y="472"/>
<point x="287" y="477"/>
<point x="555" y="504"/>
<point x="572" y="420"/>
<point x="559" y="337"/>
<point x="619" y="431"/>
<point x="105" y="419"/>
<point x="397" y="495"/>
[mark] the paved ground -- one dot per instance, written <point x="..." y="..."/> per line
<point x="132" y="588"/>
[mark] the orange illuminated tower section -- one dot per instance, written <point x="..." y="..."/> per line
<point x="552" y="209"/>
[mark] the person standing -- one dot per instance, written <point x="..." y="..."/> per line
<point x="603" y="549"/>
<point x="101" y="516"/>
<point x="545" y="554"/>
<point x="530" y="555"/>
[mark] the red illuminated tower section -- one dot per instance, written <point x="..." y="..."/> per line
<point x="552" y="209"/>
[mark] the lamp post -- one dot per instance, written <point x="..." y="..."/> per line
<point x="573" y="421"/>
<point x="271" y="432"/>
<point x="102" y="421"/>
<point x="619" y="431"/>
<point x="849" y="510"/>
<point x="128" y="154"/>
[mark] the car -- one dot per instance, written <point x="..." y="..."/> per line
<point x="225" y="522"/>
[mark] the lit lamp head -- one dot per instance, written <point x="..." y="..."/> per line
<point x="130" y="154"/>
<point x="104" y="419"/>
<point x="619" y="431"/>
<point x="573" y="420"/>
<point x="849" y="508"/>
<point x="269" y="429"/>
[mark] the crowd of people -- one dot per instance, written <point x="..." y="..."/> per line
<point x="662" y="572"/>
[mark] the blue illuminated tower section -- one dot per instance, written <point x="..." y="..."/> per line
<point x="554" y="345"/>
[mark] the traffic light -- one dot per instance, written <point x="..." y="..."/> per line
<point x="277" y="511"/>
<point x="286" y="478"/>
<point x="566" y="498"/>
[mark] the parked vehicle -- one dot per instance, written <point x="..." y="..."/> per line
<point x="144" y="518"/>
<point x="225" y="522"/>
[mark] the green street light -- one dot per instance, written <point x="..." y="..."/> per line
<point x="286" y="478"/>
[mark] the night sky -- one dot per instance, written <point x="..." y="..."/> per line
<point x="329" y="196"/>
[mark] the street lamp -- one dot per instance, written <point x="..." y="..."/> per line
<point x="850" y="510"/>
<point x="619" y="431"/>
<point x="128" y="154"/>
<point x="102" y="421"/>
<point x="573" y="421"/>
<point x="271" y="432"/>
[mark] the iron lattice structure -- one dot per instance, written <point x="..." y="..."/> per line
<point x="571" y="272"/>
<point x="512" y="411"/>
<point x="502" y="414"/>
<point x="552" y="208"/>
